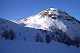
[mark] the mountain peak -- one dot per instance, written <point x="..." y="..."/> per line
<point x="53" y="12"/>
<point x="47" y="26"/>
<point x="51" y="19"/>
<point x="46" y="20"/>
<point x="49" y="12"/>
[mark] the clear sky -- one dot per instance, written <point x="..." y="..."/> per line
<point x="15" y="9"/>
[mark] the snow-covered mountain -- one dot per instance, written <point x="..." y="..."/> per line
<point x="51" y="28"/>
<point x="51" y="19"/>
<point x="10" y="31"/>
<point x="45" y="20"/>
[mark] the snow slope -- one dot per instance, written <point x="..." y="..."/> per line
<point x="18" y="46"/>
<point x="51" y="22"/>
<point x="50" y="19"/>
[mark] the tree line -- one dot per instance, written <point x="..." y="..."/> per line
<point x="58" y="36"/>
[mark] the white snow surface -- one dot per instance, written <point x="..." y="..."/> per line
<point x="52" y="18"/>
<point x="29" y="30"/>
<point x="44" y="22"/>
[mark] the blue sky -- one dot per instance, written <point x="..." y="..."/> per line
<point x="15" y="9"/>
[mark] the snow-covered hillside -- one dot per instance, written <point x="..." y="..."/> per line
<point x="54" y="20"/>
<point x="50" y="31"/>
<point x="18" y="32"/>
<point x="51" y="19"/>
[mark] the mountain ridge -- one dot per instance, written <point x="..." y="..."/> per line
<point x="47" y="26"/>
